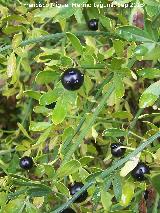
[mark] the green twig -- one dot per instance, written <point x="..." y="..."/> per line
<point x="27" y="113"/>
<point x="133" y="123"/>
<point x="108" y="171"/>
<point x="58" y="36"/>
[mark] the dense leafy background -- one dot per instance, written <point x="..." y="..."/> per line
<point x="119" y="101"/>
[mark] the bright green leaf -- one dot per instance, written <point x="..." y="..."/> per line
<point x="149" y="73"/>
<point x="150" y="95"/>
<point x="131" y="33"/>
<point x="127" y="193"/>
<point x="75" y="42"/>
<point x="115" y="132"/>
<point x="38" y="126"/>
<point x="45" y="77"/>
<point x="106" y="199"/>
<point x="33" y="94"/>
<point x="50" y="96"/>
<point x="60" y="111"/>
<point x="68" y="168"/>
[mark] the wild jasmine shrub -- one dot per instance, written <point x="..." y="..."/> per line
<point x="79" y="106"/>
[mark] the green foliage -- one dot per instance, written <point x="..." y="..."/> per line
<point x="71" y="141"/>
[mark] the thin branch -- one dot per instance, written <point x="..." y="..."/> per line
<point x="58" y="36"/>
<point x="133" y="123"/>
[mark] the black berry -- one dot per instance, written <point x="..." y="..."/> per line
<point x="93" y="24"/>
<point x="26" y="162"/>
<point x="68" y="210"/>
<point x="51" y="106"/>
<point x="139" y="171"/>
<point x="72" y="79"/>
<point x="116" y="150"/>
<point x="75" y="187"/>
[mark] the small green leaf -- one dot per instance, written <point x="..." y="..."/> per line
<point x="11" y="65"/>
<point x="45" y="77"/>
<point x="38" y="126"/>
<point x="115" y="132"/>
<point x="109" y="53"/>
<point x="60" y="111"/>
<point x="50" y="96"/>
<point x="30" y="208"/>
<point x="122" y="115"/>
<point x="129" y="166"/>
<point x="85" y="160"/>
<point x="127" y="194"/>
<point x="43" y="137"/>
<point x="106" y="22"/>
<point x="140" y="50"/>
<point x="12" y="29"/>
<point x="38" y="192"/>
<point x="153" y="53"/>
<point x="26" y="65"/>
<point x="33" y="94"/>
<point x="119" y="47"/>
<point x="16" y="40"/>
<point x="106" y="199"/>
<point x="149" y="73"/>
<point x="25" y="133"/>
<point x="131" y="33"/>
<point x="152" y="3"/>
<point x="16" y="18"/>
<point x="119" y="86"/>
<point x="150" y="95"/>
<point x="14" y="206"/>
<point x="62" y="188"/>
<point x="3" y="199"/>
<point x="68" y="168"/>
<point x="75" y="42"/>
<point x="66" y="61"/>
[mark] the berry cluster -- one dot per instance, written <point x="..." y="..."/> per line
<point x="72" y="79"/>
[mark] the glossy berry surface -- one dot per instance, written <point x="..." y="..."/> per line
<point x="51" y="106"/>
<point x="72" y="79"/>
<point x="68" y="210"/>
<point x="26" y="162"/>
<point x="116" y="150"/>
<point x="139" y="171"/>
<point x="93" y="24"/>
<point x="74" y="188"/>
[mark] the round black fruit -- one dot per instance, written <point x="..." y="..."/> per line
<point x="26" y="162"/>
<point x="68" y="210"/>
<point x="51" y="106"/>
<point x="116" y="150"/>
<point x="138" y="173"/>
<point x="75" y="187"/>
<point x="72" y="79"/>
<point x="93" y="24"/>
